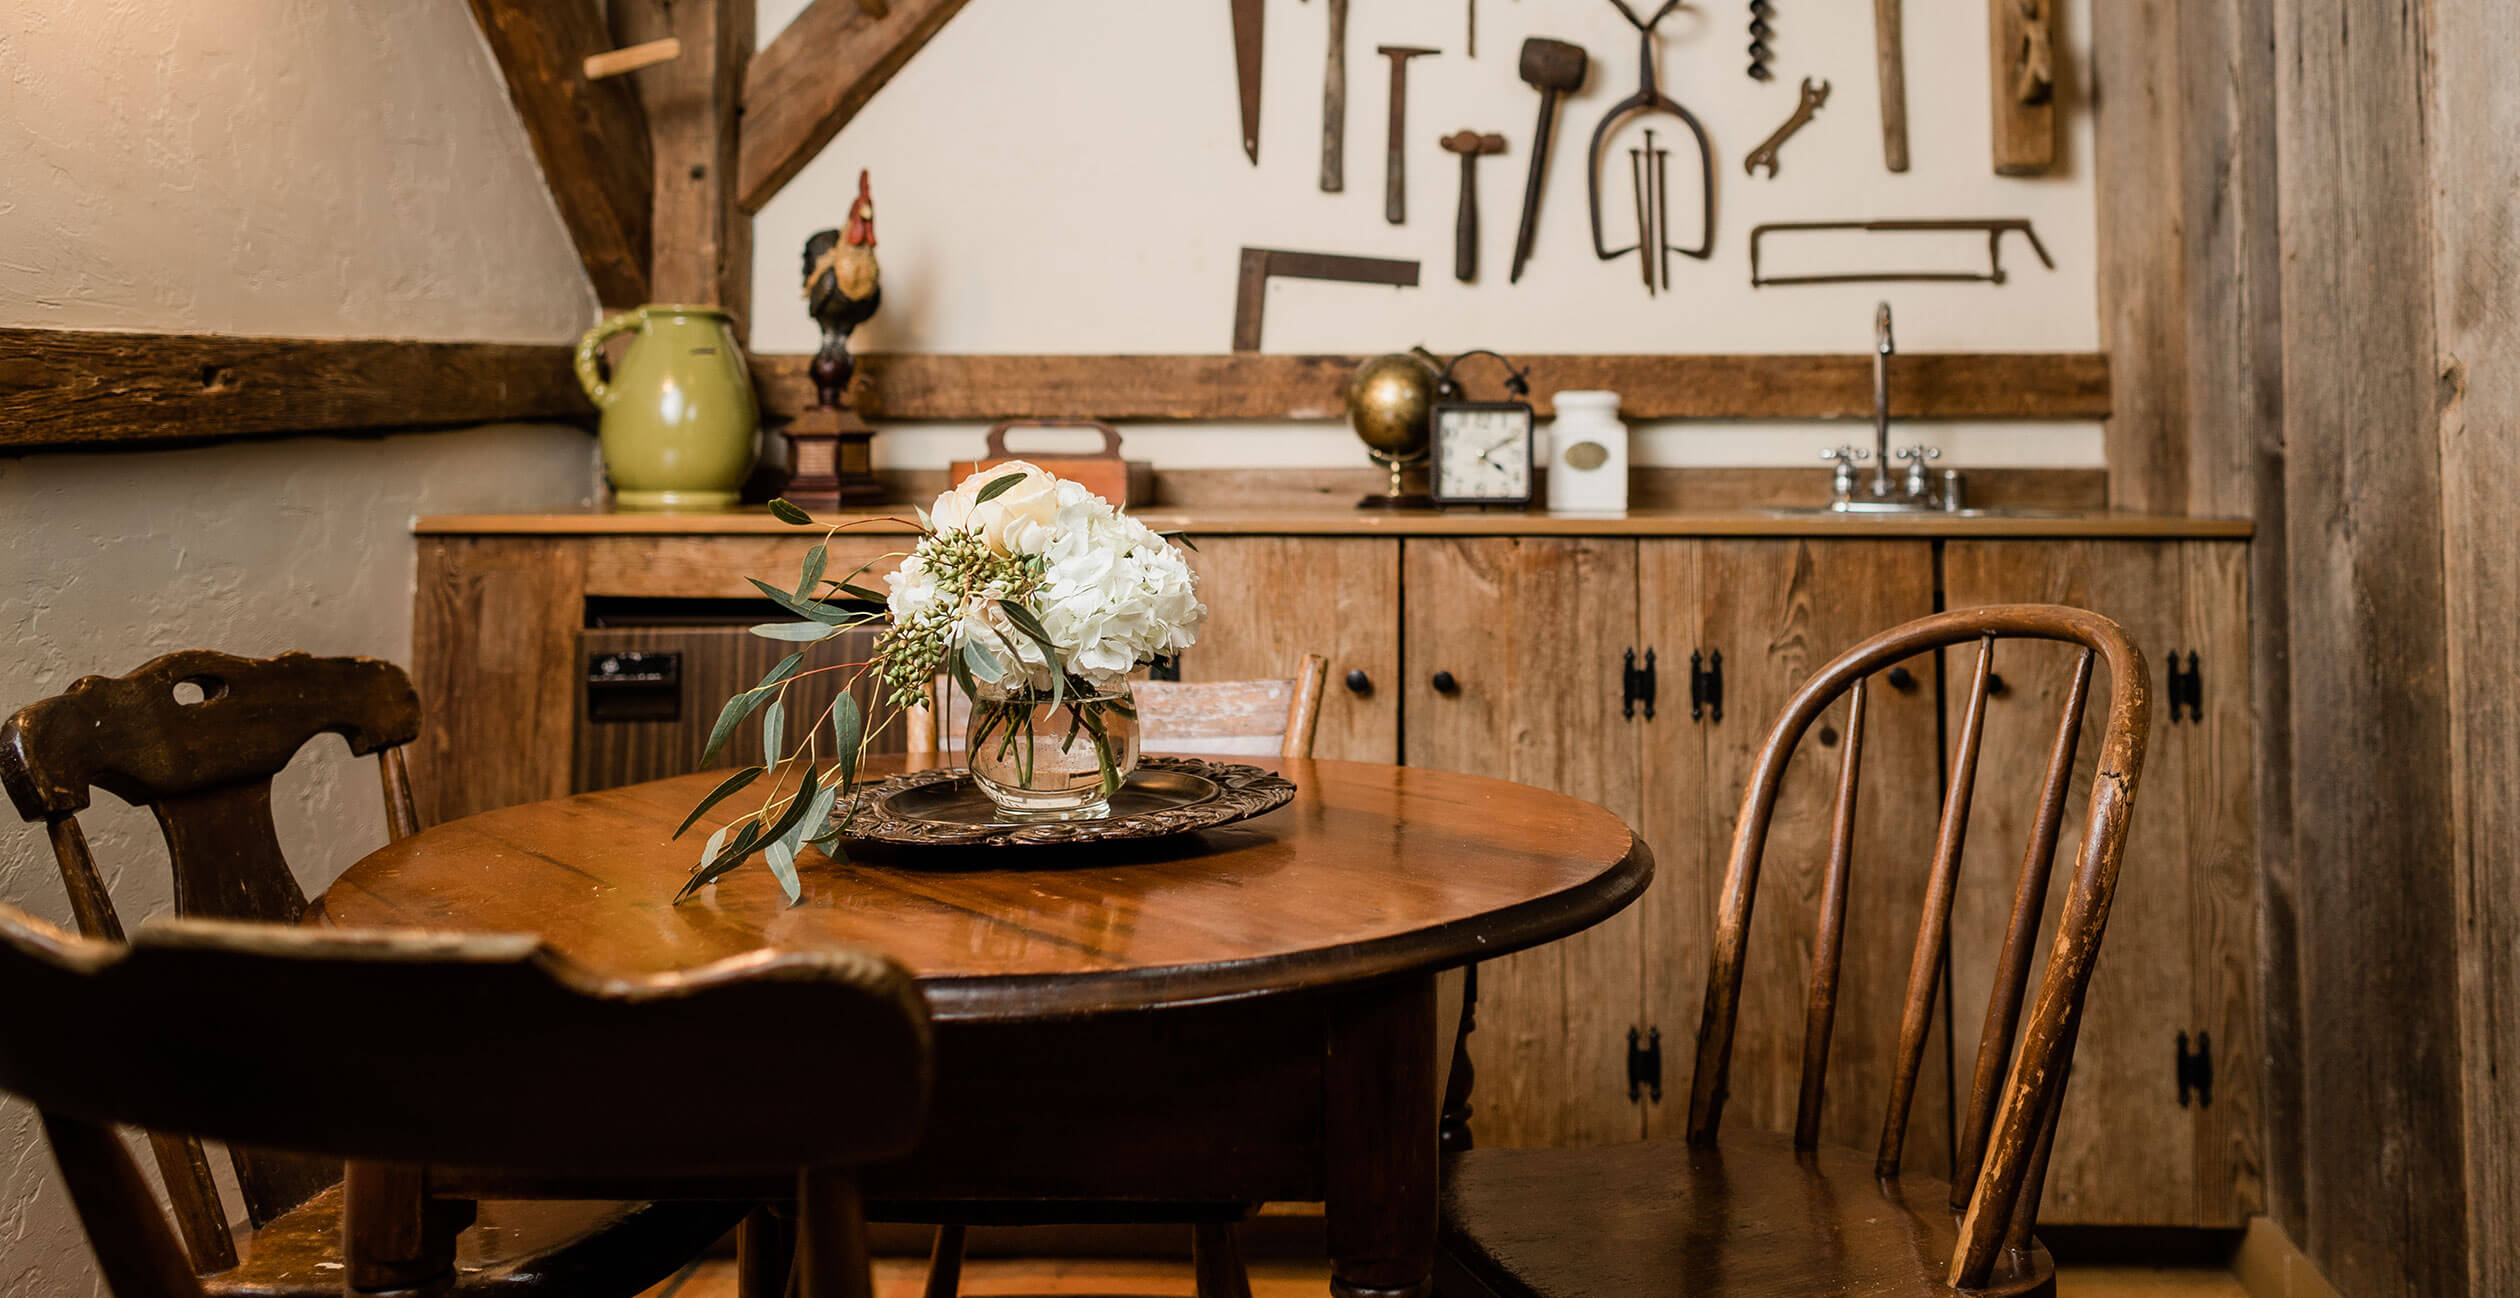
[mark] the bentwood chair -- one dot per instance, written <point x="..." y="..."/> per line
<point x="1210" y="718"/>
<point x="197" y="737"/>
<point x="451" y="1062"/>
<point x="1740" y="1215"/>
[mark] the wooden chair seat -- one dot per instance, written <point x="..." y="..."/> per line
<point x="513" y="1248"/>
<point x="1748" y="1215"/>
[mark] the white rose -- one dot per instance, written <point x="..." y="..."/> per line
<point x="1015" y="521"/>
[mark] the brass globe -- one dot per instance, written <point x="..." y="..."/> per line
<point x="1388" y="400"/>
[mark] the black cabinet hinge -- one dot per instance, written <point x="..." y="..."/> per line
<point x="1706" y="686"/>
<point x="2196" y="1070"/>
<point x="2186" y="687"/>
<point x="1166" y="667"/>
<point x="1636" y="685"/>
<point x="1645" y="1064"/>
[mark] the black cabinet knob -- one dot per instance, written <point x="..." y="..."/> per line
<point x="1358" y="682"/>
<point x="1901" y="679"/>
<point x="1444" y="683"/>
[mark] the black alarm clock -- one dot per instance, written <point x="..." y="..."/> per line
<point x="1482" y="452"/>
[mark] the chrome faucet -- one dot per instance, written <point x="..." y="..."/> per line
<point x="1923" y="490"/>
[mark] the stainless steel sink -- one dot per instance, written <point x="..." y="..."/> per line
<point x="1904" y="511"/>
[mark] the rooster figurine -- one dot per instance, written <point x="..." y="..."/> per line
<point x="842" y="290"/>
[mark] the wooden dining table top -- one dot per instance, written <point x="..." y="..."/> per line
<point x="1371" y="870"/>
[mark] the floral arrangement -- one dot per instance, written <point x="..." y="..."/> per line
<point x="1035" y="596"/>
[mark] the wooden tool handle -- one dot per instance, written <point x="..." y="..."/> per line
<point x="1466" y="221"/>
<point x="1889" y="52"/>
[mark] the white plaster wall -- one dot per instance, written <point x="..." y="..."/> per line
<point x="304" y="167"/>
<point x="1067" y="175"/>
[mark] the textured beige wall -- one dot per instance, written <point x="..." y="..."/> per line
<point x="251" y="166"/>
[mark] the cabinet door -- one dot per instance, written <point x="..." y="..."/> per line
<point x="1273" y="599"/>
<point x="1531" y="634"/>
<point x="1776" y="610"/>
<point x="2178" y="951"/>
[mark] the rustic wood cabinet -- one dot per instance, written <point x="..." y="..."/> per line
<point x="1636" y="662"/>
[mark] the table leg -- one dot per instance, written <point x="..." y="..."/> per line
<point x="765" y="1252"/>
<point x="1379" y="1133"/>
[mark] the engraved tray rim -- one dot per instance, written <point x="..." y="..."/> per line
<point x="1242" y="792"/>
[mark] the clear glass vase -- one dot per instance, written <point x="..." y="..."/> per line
<point x="1043" y="759"/>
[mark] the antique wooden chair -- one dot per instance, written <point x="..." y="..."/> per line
<point x="197" y="737"/>
<point x="1760" y="1215"/>
<point x="1208" y="718"/>
<point x="1212" y="718"/>
<point x="449" y="1063"/>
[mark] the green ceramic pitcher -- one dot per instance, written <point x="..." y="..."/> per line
<point x="679" y="418"/>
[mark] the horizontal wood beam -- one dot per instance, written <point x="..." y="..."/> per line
<point x="71" y="389"/>
<point x="590" y="136"/>
<point x="815" y="75"/>
<point x="1927" y="385"/>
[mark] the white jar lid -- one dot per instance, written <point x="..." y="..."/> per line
<point x="1585" y="397"/>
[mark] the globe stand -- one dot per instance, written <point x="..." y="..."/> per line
<point x="1397" y="495"/>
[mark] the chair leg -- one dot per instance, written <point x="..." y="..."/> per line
<point x="765" y="1252"/>
<point x="1216" y="1261"/>
<point x="831" y="1259"/>
<point x="944" y="1277"/>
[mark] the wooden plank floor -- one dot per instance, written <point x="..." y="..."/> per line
<point x="1122" y="1278"/>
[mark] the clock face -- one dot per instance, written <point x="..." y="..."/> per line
<point x="1483" y="454"/>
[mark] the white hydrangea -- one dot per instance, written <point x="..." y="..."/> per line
<point x="1111" y="594"/>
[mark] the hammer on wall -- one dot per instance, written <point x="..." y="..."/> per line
<point x="1469" y="144"/>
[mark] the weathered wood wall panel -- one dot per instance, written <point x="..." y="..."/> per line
<point x="703" y="241"/>
<point x="75" y="388"/>
<point x="1933" y="385"/>
<point x="588" y="135"/>
<point x="2370" y="884"/>
<point x="2475" y="117"/>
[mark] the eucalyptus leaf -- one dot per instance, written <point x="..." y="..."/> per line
<point x="712" y="866"/>
<point x="720" y="794"/>
<point x="1025" y="622"/>
<point x="855" y="591"/>
<point x="797" y="806"/>
<point x="926" y="524"/>
<point x="997" y="487"/>
<point x="815" y="609"/>
<point x="816" y="560"/>
<point x="733" y="714"/>
<point x="1180" y="538"/>
<point x="785" y="512"/>
<point x="807" y="631"/>
<point x="773" y="730"/>
<point x="848" y="730"/>
<point x="983" y="663"/>
<point x="786" y="667"/>
<point x="782" y="861"/>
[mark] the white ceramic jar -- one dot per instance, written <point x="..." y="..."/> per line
<point x="1588" y="455"/>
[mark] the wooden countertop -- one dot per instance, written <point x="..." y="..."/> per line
<point x="1208" y="521"/>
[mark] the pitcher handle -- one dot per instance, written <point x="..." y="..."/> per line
<point x="591" y="349"/>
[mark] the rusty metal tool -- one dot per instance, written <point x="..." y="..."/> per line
<point x="1247" y="24"/>
<point x="1554" y="68"/>
<point x="1470" y="145"/>
<point x="1334" y="103"/>
<point x="1260" y="265"/>
<point x="1890" y="59"/>
<point x="1649" y="99"/>
<point x="1471" y="50"/>
<point x="1395" y="155"/>
<point x="1814" y="94"/>
<point x="1760" y="30"/>
<point x="1994" y="228"/>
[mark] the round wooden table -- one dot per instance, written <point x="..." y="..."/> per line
<point x="1238" y="1016"/>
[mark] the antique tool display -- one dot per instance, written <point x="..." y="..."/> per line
<point x="1554" y="68"/>
<point x="1890" y="60"/>
<point x="1994" y="228"/>
<point x="1649" y="100"/>
<point x="1484" y="451"/>
<point x="843" y="289"/>
<point x="1646" y="168"/>
<point x="1389" y="400"/>
<point x="2021" y="74"/>
<point x="1470" y="48"/>
<point x="1760" y="30"/>
<point x="1259" y="265"/>
<point x="1814" y="94"/>
<point x="1395" y="152"/>
<point x="1471" y="145"/>
<point x="1334" y="103"/>
<point x="1248" y="15"/>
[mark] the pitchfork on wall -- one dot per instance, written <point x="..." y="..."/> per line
<point x="1653" y="244"/>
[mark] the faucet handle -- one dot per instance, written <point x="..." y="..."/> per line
<point x="1917" y="455"/>
<point x="1846" y="455"/>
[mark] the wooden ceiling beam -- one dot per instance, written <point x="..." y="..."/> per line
<point x="703" y="248"/>
<point x="816" y="75"/>
<point x="590" y="136"/>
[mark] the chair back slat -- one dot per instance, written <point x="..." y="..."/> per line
<point x="2007" y="1176"/>
<point x="1933" y="929"/>
<point x="1829" y="939"/>
<point x="196" y="737"/>
<point x="2021" y="936"/>
<point x="485" y="1051"/>
<point x="134" y="1250"/>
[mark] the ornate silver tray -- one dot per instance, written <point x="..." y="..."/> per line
<point x="1162" y="797"/>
